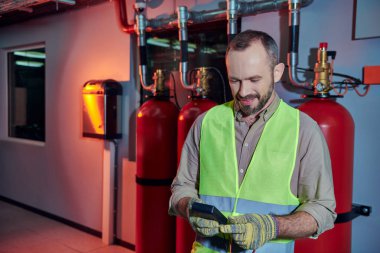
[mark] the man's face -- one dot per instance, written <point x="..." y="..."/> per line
<point x="251" y="77"/>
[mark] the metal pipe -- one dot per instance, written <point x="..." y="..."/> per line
<point x="141" y="43"/>
<point x="231" y="12"/>
<point x="232" y="16"/>
<point x="292" y="57"/>
<point x="198" y="17"/>
<point x="121" y="13"/>
<point x="183" y="16"/>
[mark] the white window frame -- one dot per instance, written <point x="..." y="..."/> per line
<point x="4" y="96"/>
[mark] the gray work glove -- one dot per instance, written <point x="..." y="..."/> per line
<point x="201" y="226"/>
<point x="251" y="231"/>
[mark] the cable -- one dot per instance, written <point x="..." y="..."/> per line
<point x="356" y="90"/>
<point x="338" y="92"/>
<point x="223" y="82"/>
<point x="174" y="90"/>
<point x="357" y="81"/>
<point x="362" y="94"/>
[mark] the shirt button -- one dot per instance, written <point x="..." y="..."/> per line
<point x="241" y="171"/>
<point x="246" y="144"/>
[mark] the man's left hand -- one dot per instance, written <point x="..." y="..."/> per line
<point x="251" y="231"/>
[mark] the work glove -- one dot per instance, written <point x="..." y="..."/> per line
<point x="201" y="226"/>
<point x="251" y="231"/>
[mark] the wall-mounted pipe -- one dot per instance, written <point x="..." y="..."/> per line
<point x="232" y="17"/>
<point x="121" y="14"/>
<point x="183" y="16"/>
<point x="141" y="43"/>
<point x="230" y="12"/>
<point x="292" y="56"/>
<point x="244" y="9"/>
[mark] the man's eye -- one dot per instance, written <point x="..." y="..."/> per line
<point x="253" y="80"/>
<point x="233" y="81"/>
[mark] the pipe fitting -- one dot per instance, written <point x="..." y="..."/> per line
<point x="183" y="16"/>
<point x="292" y="57"/>
<point x="232" y="17"/>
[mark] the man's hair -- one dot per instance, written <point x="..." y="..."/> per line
<point x="244" y="39"/>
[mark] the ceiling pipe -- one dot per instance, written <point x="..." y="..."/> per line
<point x="292" y="56"/>
<point x="141" y="43"/>
<point x="232" y="11"/>
<point x="232" y="17"/>
<point x="121" y="13"/>
<point x="183" y="16"/>
<point x="198" y="17"/>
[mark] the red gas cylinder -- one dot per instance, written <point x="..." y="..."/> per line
<point x="185" y="235"/>
<point x="156" y="162"/>
<point x="338" y="128"/>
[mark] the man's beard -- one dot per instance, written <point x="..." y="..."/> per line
<point x="248" y="110"/>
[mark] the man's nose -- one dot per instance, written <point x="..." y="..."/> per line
<point x="244" y="88"/>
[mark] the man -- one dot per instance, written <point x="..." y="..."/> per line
<point x="264" y="164"/>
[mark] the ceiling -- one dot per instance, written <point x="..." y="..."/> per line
<point x="15" y="11"/>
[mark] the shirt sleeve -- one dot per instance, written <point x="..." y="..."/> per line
<point x="315" y="182"/>
<point x="185" y="184"/>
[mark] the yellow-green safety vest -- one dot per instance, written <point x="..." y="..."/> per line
<point x="266" y="187"/>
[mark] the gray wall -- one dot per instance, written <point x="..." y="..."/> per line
<point x="331" y="21"/>
<point x="64" y="176"/>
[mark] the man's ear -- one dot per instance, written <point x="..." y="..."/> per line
<point x="278" y="71"/>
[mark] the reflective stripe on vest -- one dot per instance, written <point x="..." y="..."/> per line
<point x="266" y="187"/>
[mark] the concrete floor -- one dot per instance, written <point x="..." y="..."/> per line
<point x="22" y="231"/>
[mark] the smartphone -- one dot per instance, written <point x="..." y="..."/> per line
<point x="207" y="212"/>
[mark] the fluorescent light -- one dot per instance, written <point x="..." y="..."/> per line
<point x="177" y="47"/>
<point x="69" y="2"/>
<point x="166" y="43"/>
<point x="30" y="54"/>
<point x="34" y="64"/>
<point x="208" y="50"/>
<point x="158" y="42"/>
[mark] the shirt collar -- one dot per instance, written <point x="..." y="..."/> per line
<point x="264" y="115"/>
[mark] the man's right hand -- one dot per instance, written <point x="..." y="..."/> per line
<point x="201" y="226"/>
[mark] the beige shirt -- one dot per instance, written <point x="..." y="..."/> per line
<point x="311" y="180"/>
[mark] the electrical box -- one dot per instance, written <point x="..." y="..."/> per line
<point x="371" y="74"/>
<point x="102" y="109"/>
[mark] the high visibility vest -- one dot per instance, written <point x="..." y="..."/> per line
<point x="266" y="187"/>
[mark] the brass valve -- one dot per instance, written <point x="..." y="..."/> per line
<point x="159" y="82"/>
<point x="202" y="85"/>
<point x="322" y="71"/>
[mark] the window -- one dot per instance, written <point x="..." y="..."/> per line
<point x="26" y="93"/>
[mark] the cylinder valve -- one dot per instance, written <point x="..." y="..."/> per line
<point x="322" y="71"/>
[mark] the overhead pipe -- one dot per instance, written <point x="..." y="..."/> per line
<point x="140" y="29"/>
<point x="244" y="9"/>
<point x="292" y="56"/>
<point x="121" y="13"/>
<point x="183" y="16"/>
<point x="232" y="17"/>
<point x="230" y="12"/>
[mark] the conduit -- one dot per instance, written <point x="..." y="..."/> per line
<point x="231" y="12"/>
<point x="292" y="57"/>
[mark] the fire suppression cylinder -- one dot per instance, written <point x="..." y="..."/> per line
<point x="338" y="129"/>
<point x="185" y="235"/>
<point x="156" y="146"/>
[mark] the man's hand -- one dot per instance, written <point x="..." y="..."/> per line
<point x="201" y="226"/>
<point x="251" y="231"/>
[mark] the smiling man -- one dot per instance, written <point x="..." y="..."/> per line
<point x="264" y="164"/>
